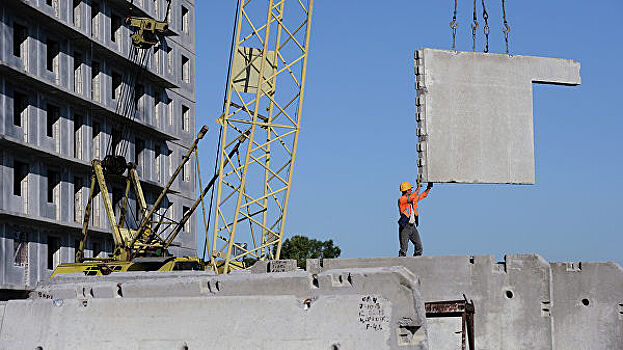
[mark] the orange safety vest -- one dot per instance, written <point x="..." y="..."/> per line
<point x="408" y="203"/>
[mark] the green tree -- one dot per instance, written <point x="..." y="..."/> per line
<point x="300" y="248"/>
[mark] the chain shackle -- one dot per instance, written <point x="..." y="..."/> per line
<point x="453" y="26"/>
<point x="475" y="26"/>
<point x="507" y="28"/>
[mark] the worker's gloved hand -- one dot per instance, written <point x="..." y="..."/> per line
<point x="418" y="182"/>
<point x="429" y="186"/>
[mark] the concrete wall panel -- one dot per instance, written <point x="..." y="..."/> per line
<point x="376" y="308"/>
<point x="588" y="305"/>
<point x="474" y="113"/>
<point x="521" y="303"/>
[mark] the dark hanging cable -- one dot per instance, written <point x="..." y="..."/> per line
<point x="507" y="28"/>
<point x="453" y="26"/>
<point x="485" y="16"/>
<point x="220" y="133"/>
<point x="474" y="28"/>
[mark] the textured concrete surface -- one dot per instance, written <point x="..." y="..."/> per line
<point x="521" y="303"/>
<point x="80" y="84"/>
<point x="354" y="308"/>
<point x="474" y="113"/>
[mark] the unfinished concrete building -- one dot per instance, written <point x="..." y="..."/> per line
<point x="63" y="64"/>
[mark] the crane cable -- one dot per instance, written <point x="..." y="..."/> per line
<point x="475" y="26"/>
<point x="485" y="16"/>
<point x="166" y="13"/>
<point x="220" y="133"/>
<point x="126" y="105"/>
<point x="453" y="26"/>
<point x="507" y="28"/>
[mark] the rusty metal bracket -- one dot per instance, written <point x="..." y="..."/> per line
<point x="456" y="308"/>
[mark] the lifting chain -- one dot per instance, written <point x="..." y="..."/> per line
<point x="454" y="25"/>
<point x="474" y="28"/>
<point x="507" y="28"/>
<point x="485" y="16"/>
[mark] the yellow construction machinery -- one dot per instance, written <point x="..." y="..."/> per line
<point x="255" y="159"/>
<point x="146" y="31"/>
<point x="143" y="248"/>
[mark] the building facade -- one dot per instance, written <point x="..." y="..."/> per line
<point x="64" y="65"/>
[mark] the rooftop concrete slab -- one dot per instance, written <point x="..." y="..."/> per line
<point x="474" y="114"/>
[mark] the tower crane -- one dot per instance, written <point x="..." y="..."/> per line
<point x="264" y="100"/>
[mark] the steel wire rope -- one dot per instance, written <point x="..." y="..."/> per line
<point x="166" y="13"/>
<point x="131" y="58"/>
<point x="220" y="133"/>
<point x="131" y="103"/>
<point x="127" y="90"/>
<point x="485" y="17"/>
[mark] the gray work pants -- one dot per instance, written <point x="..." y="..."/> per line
<point x="409" y="233"/>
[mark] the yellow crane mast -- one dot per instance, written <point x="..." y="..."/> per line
<point x="263" y="104"/>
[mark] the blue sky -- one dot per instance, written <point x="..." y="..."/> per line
<point x="357" y="140"/>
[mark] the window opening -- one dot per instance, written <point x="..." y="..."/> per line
<point x="20" y="249"/>
<point x="169" y="59"/>
<point x="116" y="139"/>
<point x="185" y="20"/>
<point x="95" y="9"/>
<point x="53" y="115"/>
<point x="76" y="247"/>
<point x="185" y="118"/>
<point x="78" y="121"/>
<point x="77" y="12"/>
<point x="53" y="182"/>
<point x="95" y="80"/>
<point x="139" y="92"/>
<point x="156" y="58"/>
<point x="157" y="100"/>
<point x="20" y="105"/>
<point x="117" y="195"/>
<point x="116" y="85"/>
<point x="115" y="25"/>
<point x="78" y="185"/>
<point x="139" y="147"/>
<point x="187" y="223"/>
<point x="96" y="140"/>
<point x="157" y="161"/>
<point x="170" y="110"/>
<point x="97" y="249"/>
<point x="20" y="34"/>
<point x="78" y="72"/>
<point x="53" y="49"/>
<point x="185" y="69"/>
<point x="54" y="251"/>
<point x="20" y="174"/>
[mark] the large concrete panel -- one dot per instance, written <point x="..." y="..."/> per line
<point x="474" y="113"/>
<point x="524" y="302"/>
<point x="354" y="308"/>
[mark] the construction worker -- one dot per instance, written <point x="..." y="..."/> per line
<point x="408" y="222"/>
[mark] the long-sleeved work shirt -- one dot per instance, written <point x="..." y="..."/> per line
<point x="408" y="203"/>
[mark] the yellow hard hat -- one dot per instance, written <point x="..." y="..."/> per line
<point x="405" y="186"/>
